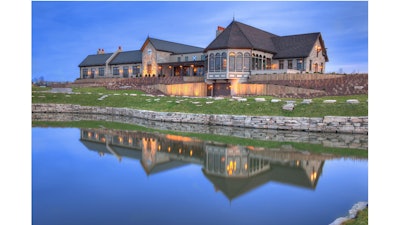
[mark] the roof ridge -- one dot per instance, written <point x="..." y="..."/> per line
<point x="257" y="29"/>
<point x="292" y="35"/>
<point x="173" y="42"/>
<point x="251" y="44"/>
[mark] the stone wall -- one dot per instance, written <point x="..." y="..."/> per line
<point x="332" y="124"/>
<point x="337" y="140"/>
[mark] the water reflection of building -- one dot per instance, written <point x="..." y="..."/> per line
<point x="233" y="170"/>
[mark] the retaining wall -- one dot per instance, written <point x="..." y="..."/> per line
<point x="334" y="124"/>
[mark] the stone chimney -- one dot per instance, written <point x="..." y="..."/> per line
<point x="219" y="31"/>
<point x="119" y="49"/>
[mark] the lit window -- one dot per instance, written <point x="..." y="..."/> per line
<point x="223" y="58"/>
<point x="231" y="61"/>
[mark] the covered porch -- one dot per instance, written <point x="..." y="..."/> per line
<point x="194" y="68"/>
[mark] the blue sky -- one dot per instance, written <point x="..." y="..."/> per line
<point x="64" y="33"/>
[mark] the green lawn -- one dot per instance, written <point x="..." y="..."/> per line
<point x="125" y="99"/>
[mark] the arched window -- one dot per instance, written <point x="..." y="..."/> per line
<point x="231" y="61"/>
<point x="212" y="61"/>
<point x="246" y="63"/>
<point x="223" y="59"/>
<point x="239" y="62"/>
<point x="217" y="62"/>
<point x="322" y="67"/>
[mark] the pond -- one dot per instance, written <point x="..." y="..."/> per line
<point x="118" y="176"/>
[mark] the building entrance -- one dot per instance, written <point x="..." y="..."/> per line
<point x="222" y="89"/>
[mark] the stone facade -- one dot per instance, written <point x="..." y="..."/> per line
<point x="329" y="124"/>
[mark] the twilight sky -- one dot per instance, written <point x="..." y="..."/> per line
<point x="64" y="33"/>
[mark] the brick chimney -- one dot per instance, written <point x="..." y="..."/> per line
<point x="219" y="31"/>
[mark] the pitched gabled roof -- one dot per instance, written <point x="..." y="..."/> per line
<point x="127" y="57"/>
<point x="294" y="46"/>
<point x="95" y="60"/>
<point x="240" y="35"/>
<point x="174" y="48"/>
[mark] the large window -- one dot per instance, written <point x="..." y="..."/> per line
<point x="223" y="59"/>
<point x="135" y="70"/>
<point x="85" y="73"/>
<point x="290" y="64"/>
<point x="299" y="64"/>
<point x="217" y="62"/>
<point x="231" y="61"/>
<point x="281" y="64"/>
<point x="212" y="61"/>
<point x="269" y="64"/>
<point x="92" y="72"/>
<point x="125" y="71"/>
<point x="239" y="62"/>
<point x="246" y="63"/>
<point x="101" y="71"/>
<point x="115" y="70"/>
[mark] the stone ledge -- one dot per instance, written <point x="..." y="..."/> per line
<point x="328" y="124"/>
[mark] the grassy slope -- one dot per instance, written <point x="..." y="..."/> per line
<point x="123" y="99"/>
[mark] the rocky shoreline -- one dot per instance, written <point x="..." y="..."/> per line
<point x="352" y="213"/>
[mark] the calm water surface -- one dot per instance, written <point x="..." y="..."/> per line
<point x="99" y="176"/>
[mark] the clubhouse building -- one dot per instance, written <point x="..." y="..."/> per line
<point x="237" y="52"/>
